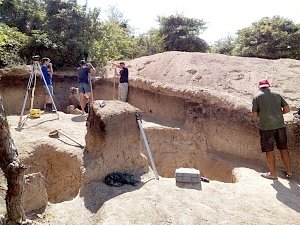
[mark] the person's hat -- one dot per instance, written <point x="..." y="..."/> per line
<point x="82" y="62"/>
<point x="263" y="84"/>
<point x="73" y="90"/>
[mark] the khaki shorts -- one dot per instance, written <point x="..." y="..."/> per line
<point x="123" y="91"/>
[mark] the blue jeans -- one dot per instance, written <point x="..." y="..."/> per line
<point x="84" y="87"/>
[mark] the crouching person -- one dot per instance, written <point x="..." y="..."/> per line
<point x="74" y="103"/>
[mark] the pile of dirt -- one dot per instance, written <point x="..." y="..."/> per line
<point x="236" y="77"/>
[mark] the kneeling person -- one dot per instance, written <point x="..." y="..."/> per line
<point x="74" y="103"/>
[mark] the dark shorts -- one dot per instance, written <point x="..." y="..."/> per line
<point x="84" y="87"/>
<point x="268" y="137"/>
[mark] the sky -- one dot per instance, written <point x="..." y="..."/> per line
<point x="223" y="17"/>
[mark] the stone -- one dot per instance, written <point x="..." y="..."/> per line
<point x="35" y="194"/>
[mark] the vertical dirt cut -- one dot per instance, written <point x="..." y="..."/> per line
<point x="62" y="171"/>
<point x="113" y="141"/>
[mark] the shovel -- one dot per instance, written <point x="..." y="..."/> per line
<point x="55" y="134"/>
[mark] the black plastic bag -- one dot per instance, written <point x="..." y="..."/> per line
<point x="117" y="179"/>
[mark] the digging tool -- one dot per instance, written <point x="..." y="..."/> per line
<point x="55" y="134"/>
<point x="114" y="84"/>
<point x="139" y="121"/>
<point x="91" y="84"/>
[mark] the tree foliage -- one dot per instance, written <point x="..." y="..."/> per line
<point x="224" y="46"/>
<point x="26" y="15"/>
<point x="149" y="44"/>
<point x="270" y="38"/>
<point x="182" y="34"/>
<point x="69" y="28"/>
<point x="66" y="32"/>
<point x="111" y="43"/>
<point x="116" y="16"/>
<point x="11" y="43"/>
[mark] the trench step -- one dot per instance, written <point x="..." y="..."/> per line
<point x="153" y="123"/>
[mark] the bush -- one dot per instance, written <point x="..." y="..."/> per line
<point x="11" y="43"/>
<point x="270" y="38"/>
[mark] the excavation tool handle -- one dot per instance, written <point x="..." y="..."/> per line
<point x="56" y="133"/>
<point x="139" y="121"/>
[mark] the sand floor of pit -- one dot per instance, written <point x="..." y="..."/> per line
<point x="252" y="200"/>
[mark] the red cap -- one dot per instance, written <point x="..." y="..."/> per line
<point x="263" y="83"/>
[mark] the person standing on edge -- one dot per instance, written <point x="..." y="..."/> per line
<point x="47" y="73"/>
<point x="123" y="84"/>
<point x="84" y="85"/>
<point x="268" y="108"/>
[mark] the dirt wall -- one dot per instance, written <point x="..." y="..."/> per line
<point x="113" y="142"/>
<point x="214" y="127"/>
<point x="13" y="90"/>
<point x="62" y="171"/>
<point x="150" y="103"/>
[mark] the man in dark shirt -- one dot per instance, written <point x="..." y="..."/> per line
<point x="123" y="84"/>
<point x="268" y="108"/>
<point x="47" y="74"/>
<point x="84" y="85"/>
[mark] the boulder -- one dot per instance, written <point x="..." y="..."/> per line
<point x="35" y="194"/>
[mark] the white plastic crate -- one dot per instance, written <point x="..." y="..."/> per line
<point x="187" y="175"/>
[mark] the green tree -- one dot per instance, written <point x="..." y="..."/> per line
<point x="11" y="43"/>
<point x="70" y="29"/>
<point x="270" y="38"/>
<point x="224" y="46"/>
<point x="26" y="15"/>
<point x="116" y="16"/>
<point x="148" y="44"/>
<point x="182" y="34"/>
<point x="111" y="43"/>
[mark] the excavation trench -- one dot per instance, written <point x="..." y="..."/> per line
<point x="181" y="132"/>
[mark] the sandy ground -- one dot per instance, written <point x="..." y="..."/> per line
<point x="252" y="200"/>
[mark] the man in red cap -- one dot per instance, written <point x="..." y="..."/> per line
<point x="268" y="108"/>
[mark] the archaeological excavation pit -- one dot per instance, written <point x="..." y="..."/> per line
<point x="190" y="121"/>
<point x="61" y="170"/>
<point x="113" y="143"/>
